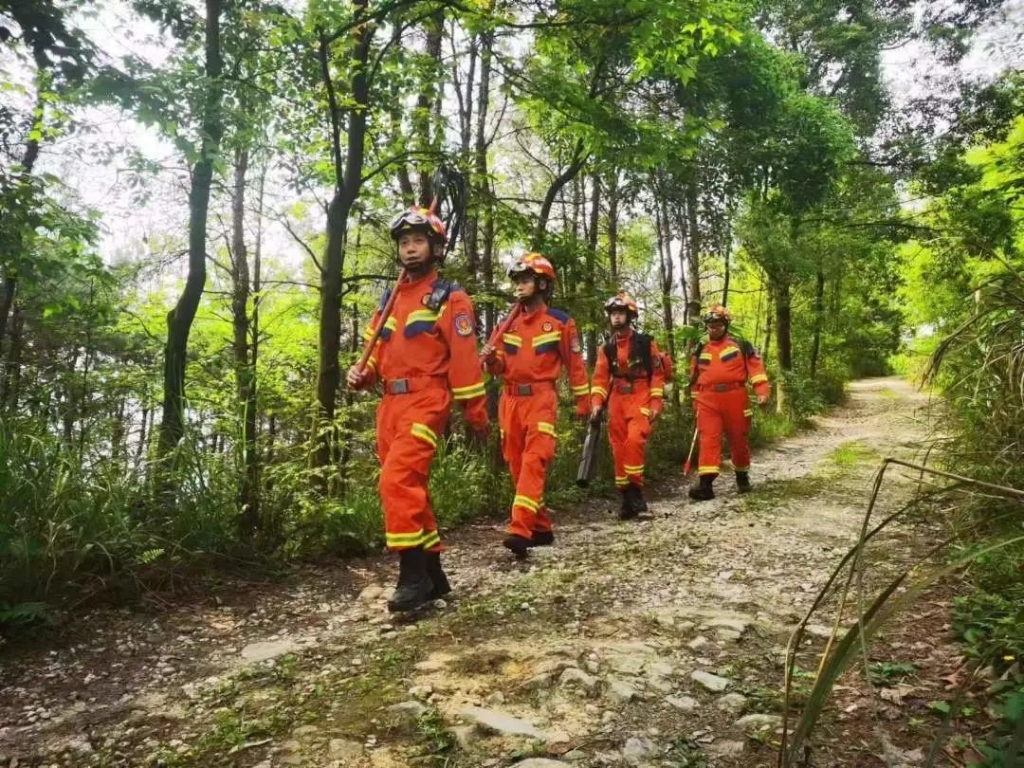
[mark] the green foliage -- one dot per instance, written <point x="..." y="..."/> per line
<point x="963" y="287"/>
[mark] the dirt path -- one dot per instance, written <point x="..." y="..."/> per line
<point x="658" y="643"/>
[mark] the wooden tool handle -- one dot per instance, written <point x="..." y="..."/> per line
<point x="385" y="313"/>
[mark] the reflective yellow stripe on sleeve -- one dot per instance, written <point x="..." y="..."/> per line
<point x="547" y="429"/>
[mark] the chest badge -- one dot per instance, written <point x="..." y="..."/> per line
<point x="547" y="327"/>
<point x="425" y="300"/>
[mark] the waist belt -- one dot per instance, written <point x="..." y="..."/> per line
<point x="527" y="390"/>
<point x="625" y="389"/>
<point x="724" y="387"/>
<point x="414" y="384"/>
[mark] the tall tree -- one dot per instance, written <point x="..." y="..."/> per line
<point x="179" y="319"/>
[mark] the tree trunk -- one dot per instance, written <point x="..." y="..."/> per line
<point x="783" y="325"/>
<point x="179" y="319"/>
<point x="579" y="159"/>
<point x="589" y="279"/>
<point x="726" y="253"/>
<point x="424" y="116"/>
<point x="11" y="383"/>
<point x="140" y="449"/>
<point x="819" y="320"/>
<point x="613" y="226"/>
<point x="481" y="190"/>
<point x="245" y="376"/>
<point x="667" y="280"/>
<point x="118" y="433"/>
<point x="348" y="180"/>
<point x="696" y="298"/>
<point x="769" y="314"/>
<point x="28" y="161"/>
<point x="7" y="293"/>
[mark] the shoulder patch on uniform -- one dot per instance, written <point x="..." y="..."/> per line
<point x="559" y="315"/>
<point x="576" y="346"/>
<point x="425" y="300"/>
<point x="463" y="324"/>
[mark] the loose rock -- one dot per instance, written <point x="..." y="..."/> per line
<point x="711" y="682"/>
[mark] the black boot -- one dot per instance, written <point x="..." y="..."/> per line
<point x="414" y="585"/>
<point x="638" y="501"/>
<point x="743" y="482"/>
<point x="626" y="510"/>
<point x="629" y="507"/>
<point x="437" y="575"/>
<point x="542" y="539"/>
<point x="704" y="491"/>
<point x="517" y="544"/>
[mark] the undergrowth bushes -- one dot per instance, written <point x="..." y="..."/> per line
<point x="69" y="527"/>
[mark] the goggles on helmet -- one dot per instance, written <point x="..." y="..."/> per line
<point x="416" y="219"/>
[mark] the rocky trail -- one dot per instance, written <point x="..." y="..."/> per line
<point x="658" y="643"/>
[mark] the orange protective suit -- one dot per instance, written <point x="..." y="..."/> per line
<point x="424" y="358"/>
<point x="530" y="358"/>
<point x="719" y="374"/>
<point x="634" y="387"/>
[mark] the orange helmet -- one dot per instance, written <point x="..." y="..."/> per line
<point x="621" y="302"/>
<point x="532" y="262"/>
<point x="717" y="312"/>
<point x="417" y="219"/>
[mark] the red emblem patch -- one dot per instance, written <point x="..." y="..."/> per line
<point x="577" y="347"/>
<point x="547" y="327"/>
<point x="425" y="300"/>
<point x="464" y="325"/>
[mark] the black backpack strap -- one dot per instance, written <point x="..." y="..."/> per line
<point x="696" y="368"/>
<point x="439" y="295"/>
<point x="748" y="351"/>
<point x="613" y="362"/>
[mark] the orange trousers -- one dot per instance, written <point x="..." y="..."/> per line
<point x="719" y="412"/>
<point x="528" y="444"/>
<point x="408" y="428"/>
<point x="628" y="429"/>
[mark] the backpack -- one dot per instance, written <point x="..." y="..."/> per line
<point x="666" y="365"/>
<point x="639" y="351"/>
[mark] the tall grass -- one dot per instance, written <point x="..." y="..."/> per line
<point x="69" y="527"/>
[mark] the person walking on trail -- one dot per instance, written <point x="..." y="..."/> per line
<point x="537" y="345"/>
<point x="720" y="369"/>
<point x="425" y="358"/>
<point x="630" y="377"/>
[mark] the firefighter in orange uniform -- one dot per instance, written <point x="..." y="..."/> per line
<point x="630" y="376"/>
<point x="719" y="372"/>
<point x="534" y="350"/>
<point x="425" y="358"/>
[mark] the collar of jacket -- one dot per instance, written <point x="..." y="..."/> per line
<point x="528" y="314"/>
<point x="420" y="282"/>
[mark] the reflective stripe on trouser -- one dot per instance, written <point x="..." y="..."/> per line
<point x="407" y="433"/>
<point x="628" y="430"/>
<point x="719" y="412"/>
<point x="528" y="445"/>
